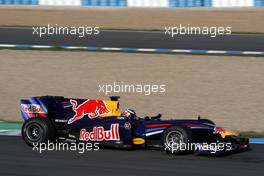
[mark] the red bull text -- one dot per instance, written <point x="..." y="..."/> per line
<point x="100" y="134"/>
<point x="33" y="110"/>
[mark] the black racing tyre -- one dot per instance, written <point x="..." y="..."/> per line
<point x="37" y="130"/>
<point x="176" y="136"/>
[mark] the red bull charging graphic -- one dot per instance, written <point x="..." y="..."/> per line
<point x="91" y="108"/>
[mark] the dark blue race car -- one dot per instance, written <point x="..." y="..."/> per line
<point x="55" y="118"/>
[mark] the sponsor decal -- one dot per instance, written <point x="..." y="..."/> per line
<point x="60" y="120"/>
<point x="127" y="126"/>
<point x="223" y="132"/>
<point x="218" y="130"/>
<point x="100" y="134"/>
<point x="92" y="108"/>
<point x="121" y="118"/>
<point x="32" y="108"/>
<point x="138" y="141"/>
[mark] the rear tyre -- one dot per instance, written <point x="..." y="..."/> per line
<point x="175" y="140"/>
<point x="37" y="130"/>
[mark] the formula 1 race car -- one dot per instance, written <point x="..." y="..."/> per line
<point x="55" y="118"/>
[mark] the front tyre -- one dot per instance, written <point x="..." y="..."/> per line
<point x="175" y="140"/>
<point x="37" y="130"/>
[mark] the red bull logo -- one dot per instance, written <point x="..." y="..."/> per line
<point x="99" y="134"/>
<point x="92" y="108"/>
<point x="219" y="130"/>
<point x="33" y="110"/>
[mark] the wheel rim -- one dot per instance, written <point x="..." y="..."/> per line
<point x="34" y="132"/>
<point x="173" y="138"/>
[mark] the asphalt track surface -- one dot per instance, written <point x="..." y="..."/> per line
<point x="19" y="159"/>
<point x="129" y="39"/>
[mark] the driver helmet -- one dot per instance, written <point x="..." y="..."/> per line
<point x="129" y="113"/>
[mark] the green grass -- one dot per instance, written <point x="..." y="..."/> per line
<point x="10" y="125"/>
